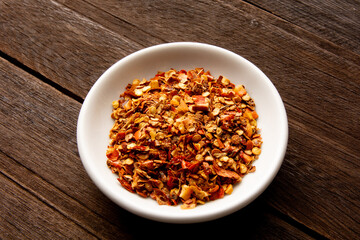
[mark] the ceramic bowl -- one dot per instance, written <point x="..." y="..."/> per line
<point x="95" y="122"/>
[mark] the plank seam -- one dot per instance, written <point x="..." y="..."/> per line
<point x="295" y="122"/>
<point x="41" y="199"/>
<point x="44" y="202"/>
<point x="85" y="205"/>
<point x="41" y="77"/>
<point x="304" y="29"/>
<point x="311" y="232"/>
<point x="272" y="210"/>
<point x="58" y="189"/>
<point x="157" y="37"/>
<point x="318" y="119"/>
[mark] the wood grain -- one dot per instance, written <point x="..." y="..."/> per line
<point x="73" y="196"/>
<point x="294" y="81"/>
<point x="48" y="130"/>
<point x="86" y="192"/>
<point x="336" y="21"/>
<point x="249" y="32"/>
<point x="61" y="202"/>
<point x="316" y="71"/>
<point x="321" y="187"/>
<point x="60" y="44"/>
<point x="24" y="216"/>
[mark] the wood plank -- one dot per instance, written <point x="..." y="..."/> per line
<point x="302" y="94"/>
<point x="294" y="81"/>
<point x="268" y="223"/>
<point x="252" y="222"/>
<point x="114" y="23"/>
<point x="336" y="21"/>
<point x="296" y="61"/>
<point x="46" y="141"/>
<point x="60" y="201"/>
<point x="318" y="188"/>
<point x="26" y="217"/>
<point x="36" y="121"/>
<point x="215" y="22"/>
<point x="59" y="181"/>
<point x="76" y="52"/>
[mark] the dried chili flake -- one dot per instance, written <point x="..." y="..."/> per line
<point x="183" y="137"/>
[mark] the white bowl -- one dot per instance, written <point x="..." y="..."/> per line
<point x="95" y="122"/>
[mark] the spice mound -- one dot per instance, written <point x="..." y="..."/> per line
<point x="183" y="137"/>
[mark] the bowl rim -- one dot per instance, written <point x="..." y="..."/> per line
<point x="184" y="218"/>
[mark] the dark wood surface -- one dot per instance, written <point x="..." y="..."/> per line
<point x="52" y="52"/>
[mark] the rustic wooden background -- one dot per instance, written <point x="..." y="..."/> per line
<point x="52" y="52"/>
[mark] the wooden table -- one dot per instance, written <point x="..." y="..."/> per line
<point x="52" y="52"/>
